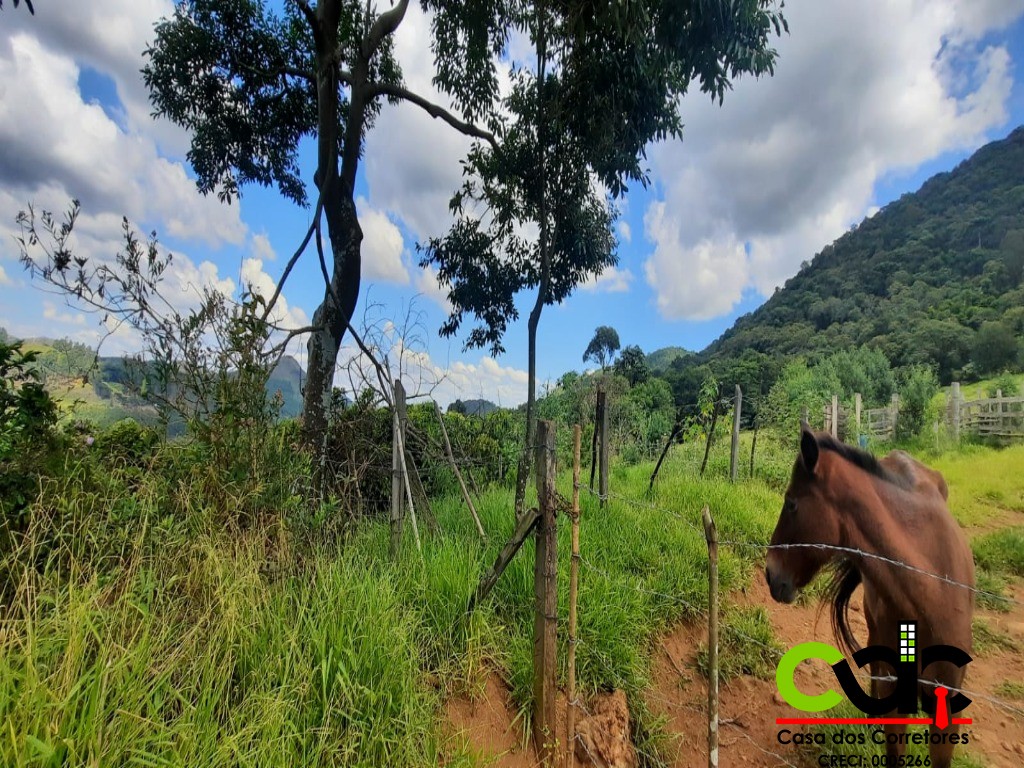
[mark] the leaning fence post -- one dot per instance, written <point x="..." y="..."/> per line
<point x="598" y="410"/>
<point x="545" y="583"/>
<point x="603" y="472"/>
<point x="458" y="475"/>
<point x="734" y="456"/>
<point x="397" y="500"/>
<point x="895" y="413"/>
<point x="857" y="405"/>
<point x="574" y="568"/>
<point x="834" y="429"/>
<point x="955" y="403"/>
<point x="711" y="534"/>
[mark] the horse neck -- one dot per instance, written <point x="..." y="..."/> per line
<point x="867" y="525"/>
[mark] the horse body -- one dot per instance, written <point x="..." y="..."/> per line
<point x="894" y="508"/>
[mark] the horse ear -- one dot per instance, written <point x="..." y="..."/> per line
<point x="808" y="450"/>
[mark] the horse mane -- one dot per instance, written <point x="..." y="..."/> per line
<point x="845" y="580"/>
<point x="861" y="459"/>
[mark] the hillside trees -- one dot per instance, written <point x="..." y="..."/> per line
<point x="632" y="364"/>
<point x="607" y="82"/>
<point x="249" y="84"/>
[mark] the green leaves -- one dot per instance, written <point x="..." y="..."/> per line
<point x="241" y="80"/>
<point x="574" y="140"/>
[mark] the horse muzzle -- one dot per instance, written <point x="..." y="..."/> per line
<point x="781" y="587"/>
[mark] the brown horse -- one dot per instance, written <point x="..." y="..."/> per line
<point x="895" y="508"/>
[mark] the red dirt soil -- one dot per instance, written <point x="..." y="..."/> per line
<point x="749" y="706"/>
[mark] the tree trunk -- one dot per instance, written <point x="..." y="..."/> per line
<point x="334" y="314"/>
<point x="525" y="456"/>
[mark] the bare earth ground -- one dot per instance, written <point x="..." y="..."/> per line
<point x="749" y="706"/>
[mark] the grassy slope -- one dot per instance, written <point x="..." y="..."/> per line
<point x="189" y="651"/>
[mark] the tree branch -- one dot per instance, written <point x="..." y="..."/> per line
<point x="432" y="109"/>
<point x="309" y="13"/>
<point x="385" y="24"/>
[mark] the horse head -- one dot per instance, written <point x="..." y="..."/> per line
<point x="809" y="516"/>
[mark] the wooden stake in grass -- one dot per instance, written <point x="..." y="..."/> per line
<point x="545" y="582"/>
<point x="734" y="455"/>
<point x="574" y="568"/>
<point x="458" y="475"/>
<point x="711" y="534"/>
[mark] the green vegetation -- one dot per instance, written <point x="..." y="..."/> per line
<point x="747" y="645"/>
<point x="934" y="278"/>
<point x="987" y="639"/>
<point x="1001" y="552"/>
<point x="1011" y="689"/>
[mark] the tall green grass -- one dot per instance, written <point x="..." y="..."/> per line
<point x="138" y="628"/>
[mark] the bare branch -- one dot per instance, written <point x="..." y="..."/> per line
<point x="434" y="110"/>
<point x="385" y="24"/>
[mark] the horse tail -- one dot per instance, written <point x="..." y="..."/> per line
<point x="845" y="579"/>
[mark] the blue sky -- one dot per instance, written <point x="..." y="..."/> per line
<point x="870" y="99"/>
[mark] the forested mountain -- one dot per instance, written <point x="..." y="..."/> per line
<point x="660" y="360"/>
<point x="934" y="277"/>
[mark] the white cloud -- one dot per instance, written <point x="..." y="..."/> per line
<point x="261" y="247"/>
<point x="4" y="279"/>
<point x="625" y="231"/>
<point x="51" y="137"/>
<point x="427" y="284"/>
<point x="612" y="280"/>
<point x="413" y="160"/>
<point x="383" y="246"/>
<point x="861" y="89"/>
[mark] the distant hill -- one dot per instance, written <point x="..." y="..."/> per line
<point x="103" y="395"/>
<point x="934" y="277"/>
<point x="660" y="360"/>
<point x="473" y="407"/>
<point x="287" y="377"/>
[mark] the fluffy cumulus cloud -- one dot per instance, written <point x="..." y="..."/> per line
<point x="52" y="137"/>
<point x="862" y="89"/>
<point x="413" y="161"/>
<point x="425" y="377"/>
<point x="111" y="155"/>
<point x="383" y="246"/>
<point x="612" y="280"/>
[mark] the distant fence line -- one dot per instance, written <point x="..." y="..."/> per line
<point x="990" y="417"/>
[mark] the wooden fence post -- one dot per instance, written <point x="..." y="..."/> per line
<point x="598" y="412"/>
<point x="711" y="534"/>
<point x="734" y="456"/>
<point x="602" y="481"/>
<point x="805" y="414"/>
<point x="835" y="417"/>
<point x="857" y="405"/>
<point x="574" y="568"/>
<point x="397" y="500"/>
<point x="955" y="394"/>
<point x="545" y="583"/>
<point x="403" y="467"/>
<point x="895" y="412"/>
<point x="458" y="475"/>
<point x="710" y="436"/>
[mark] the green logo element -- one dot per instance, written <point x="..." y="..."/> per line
<point x="787" y="668"/>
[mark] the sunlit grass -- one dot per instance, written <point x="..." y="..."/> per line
<point x="149" y="635"/>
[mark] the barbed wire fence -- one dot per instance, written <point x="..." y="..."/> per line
<point x="771" y="651"/>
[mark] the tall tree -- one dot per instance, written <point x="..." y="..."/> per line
<point x="607" y="82"/>
<point x="632" y="364"/>
<point x="602" y="346"/>
<point x="250" y="84"/>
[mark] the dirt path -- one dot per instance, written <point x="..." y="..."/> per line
<point x="749" y="706"/>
